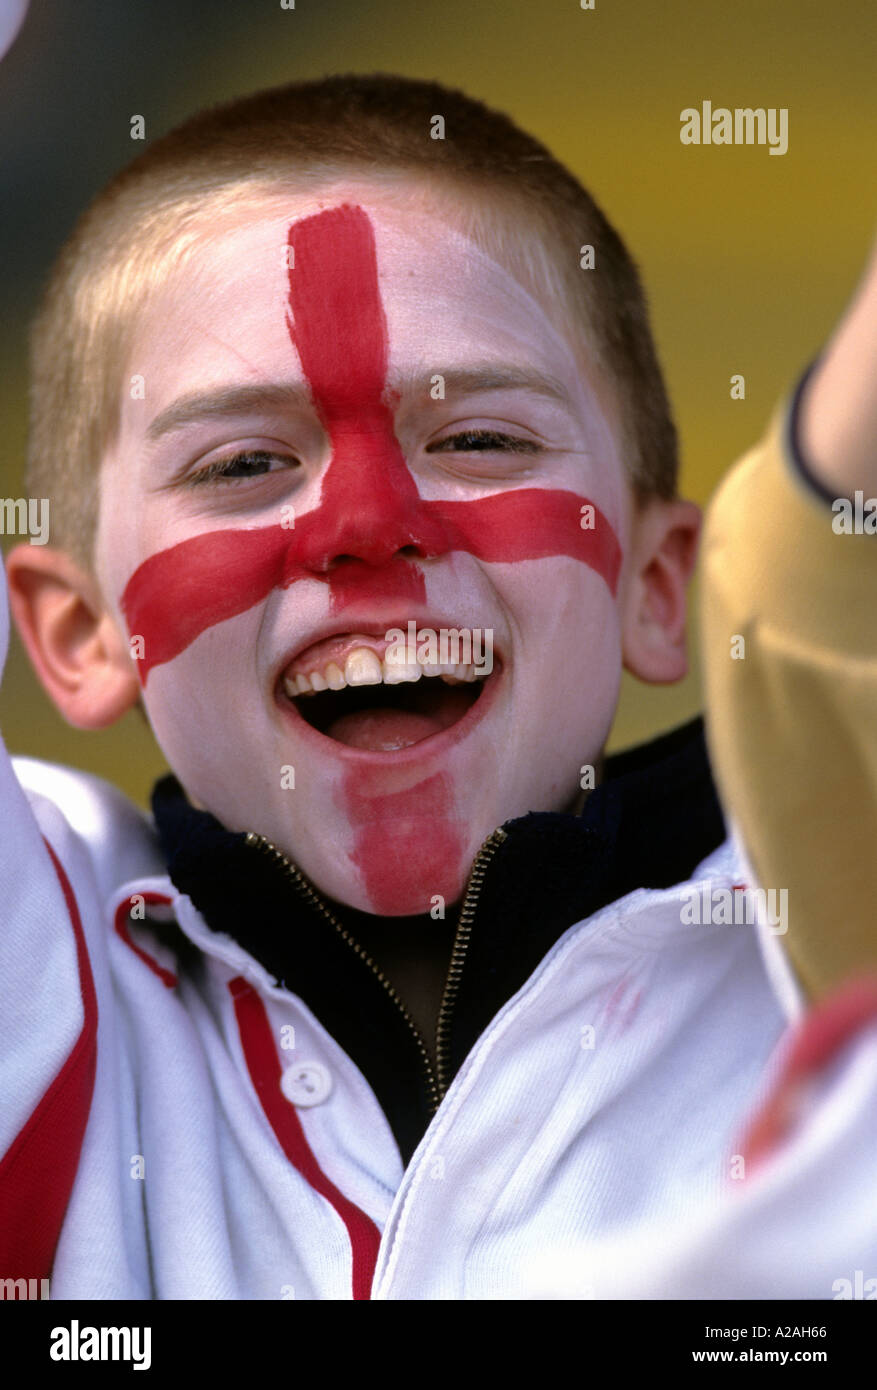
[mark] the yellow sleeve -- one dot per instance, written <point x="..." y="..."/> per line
<point x="792" y="720"/>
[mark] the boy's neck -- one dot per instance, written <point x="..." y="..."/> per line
<point x="414" y="953"/>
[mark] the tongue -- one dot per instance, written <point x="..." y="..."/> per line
<point x="387" y="730"/>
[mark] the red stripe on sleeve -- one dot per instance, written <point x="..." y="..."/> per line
<point x="820" y="1037"/>
<point x="38" y="1170"/>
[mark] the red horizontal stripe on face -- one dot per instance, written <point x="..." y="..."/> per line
<point x="178" y="593"/>
<point x="370" y="509"/>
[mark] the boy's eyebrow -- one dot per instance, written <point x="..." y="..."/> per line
<point x="228" y="400"/>
<point x="487" y="376"/>
<point x="262" y="396"/>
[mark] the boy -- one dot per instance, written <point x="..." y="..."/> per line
<point x="382" y="1005"/>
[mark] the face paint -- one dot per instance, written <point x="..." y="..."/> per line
<point x="370" y="508"/>
<point x="406" y="839"/>
<point x="356" y="819"/>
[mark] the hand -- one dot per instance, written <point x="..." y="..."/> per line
<point x="838" y="413"/>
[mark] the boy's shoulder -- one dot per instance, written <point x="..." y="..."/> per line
<point x="70" y="805"/>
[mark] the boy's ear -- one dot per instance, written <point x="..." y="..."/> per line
<point x="80" y="656"/>
<point x="664" y="539"/>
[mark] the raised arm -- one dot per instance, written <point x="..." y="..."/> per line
<point x="838" y="416"/>
<point x="792" y="708"/>
<point x="48" y="1023"/>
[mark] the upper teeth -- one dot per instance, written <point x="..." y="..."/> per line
<point x="364" y="667"/>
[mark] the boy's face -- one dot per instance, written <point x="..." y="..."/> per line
<point x="389" y="392"/>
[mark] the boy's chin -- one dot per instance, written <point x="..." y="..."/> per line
<point x="410" y="882"/>
<point x="402" y="907"/>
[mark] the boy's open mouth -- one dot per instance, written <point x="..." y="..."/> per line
<point x="343" y="688"/>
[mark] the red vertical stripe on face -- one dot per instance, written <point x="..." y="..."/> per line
<point x="370" y="507"/>
<point x="408" y="846"/>
<point x="371" y="525"/>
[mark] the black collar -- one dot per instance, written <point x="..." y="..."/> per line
<point x="654" y="817"/>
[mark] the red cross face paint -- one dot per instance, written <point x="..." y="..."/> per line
<point x="370" y="510"/>
<point x="306" y="384"/>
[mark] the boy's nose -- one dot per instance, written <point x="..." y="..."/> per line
<point x="371" y="509"/>
<point x="375" y="538"/>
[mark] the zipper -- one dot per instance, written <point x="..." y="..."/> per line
<point x="465" y="923"/>
<point x="435" y="1076"/>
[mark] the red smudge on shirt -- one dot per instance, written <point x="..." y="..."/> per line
<point x="371" y="525"/>
<point x="829" y="1028"/>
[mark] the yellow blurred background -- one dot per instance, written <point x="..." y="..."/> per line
<point x="748" y="258"/>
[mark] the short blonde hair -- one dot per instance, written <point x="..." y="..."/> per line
<point x="507" y="192"/>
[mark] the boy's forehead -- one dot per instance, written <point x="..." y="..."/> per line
<point x="222" y="318"/>
<point x="442" y="294"/>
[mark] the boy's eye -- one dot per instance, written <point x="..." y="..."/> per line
<point x="482" y="441"/>
<point x="247" y="463"/>
<point x="252" y="463"/>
